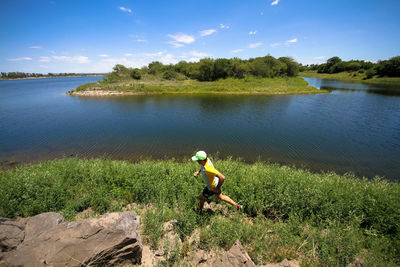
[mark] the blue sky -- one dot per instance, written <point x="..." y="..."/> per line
<point x="92" y="36"/>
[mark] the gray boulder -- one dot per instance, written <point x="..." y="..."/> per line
<point x="236" y="256"/>
<point x="50" y="240"/>
<point x="11" y="234"/>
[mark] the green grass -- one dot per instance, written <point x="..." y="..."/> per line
<point x="323" y="219"/>
<point x="248" y="85"/>
<point x="352" y="77"/>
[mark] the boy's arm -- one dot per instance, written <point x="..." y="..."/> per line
<point x="196" y="173"/>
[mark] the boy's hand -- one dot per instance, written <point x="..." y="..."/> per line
<point x="196" y="173"/>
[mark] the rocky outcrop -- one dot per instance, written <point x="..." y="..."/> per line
<point x="47" y="239"/>
<point x="235" y="257"/>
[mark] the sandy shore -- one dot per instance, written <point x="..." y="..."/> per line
<point x="105" y="93"/>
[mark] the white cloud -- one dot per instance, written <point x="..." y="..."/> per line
<point x="175" y="44"/>
<point x="141" y="40"/>
<point x="35" y="47"/>
<point x="103" y="55"/>
<point x="44" y="67"/>
<point x="125" y="9"/>
<point x="128" y="55"/>
<point x="237" y="50"/>
<point x="198" y="54"/>
<point x="44" y="59"/>
<point x="180" y="39"/>
<point x="252" y="32"/>
<point x="292" y="41"/>
<point x="151" y="55"/>
<point x="19" y="59"/>
<point x="207" y="32"/>
<point x="321" y="57"/>
<point x="275" y="2"/>
<point x="254" y="45"/>
<point x="222" y="26"/>
<point x="194" y="56"/>
<point x="275" y="44"/>
<point x="169" y="59"/>
<point x="75" y="59"/>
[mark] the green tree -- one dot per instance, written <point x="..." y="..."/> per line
<point x="292" y="66"/>
<point x="169" y="74"/>
<point x="155" y="67"/>
<point x="353" y="66"/>
<point x="206" y="69"/>
<point x="332" y="61"/>
<point x="120" y="68"/>
<point x="222" y="68"/>
<point x="136" y="74"/>
<point x="239" y="68"/>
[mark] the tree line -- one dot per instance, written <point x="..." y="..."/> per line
<point x="19" y="75"/>
<point x="209" y="69"/>
<point x="390" y="68"/>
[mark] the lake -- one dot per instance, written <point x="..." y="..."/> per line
<point x="355" y="128"/>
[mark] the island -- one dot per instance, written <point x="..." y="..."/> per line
<point x="262" y="75"/>
<point x="384" y="72"/>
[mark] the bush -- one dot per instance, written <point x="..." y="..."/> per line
<point x="136" y="74"/>
<point x="169" y="75"/>
<point x="370" y="73"/>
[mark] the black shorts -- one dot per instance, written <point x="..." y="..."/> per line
<point x="208" y="193"/>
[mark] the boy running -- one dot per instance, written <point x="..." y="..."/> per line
<point x="213" y="178"/>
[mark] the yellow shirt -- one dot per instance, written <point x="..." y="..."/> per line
<point x="209" y="174"/>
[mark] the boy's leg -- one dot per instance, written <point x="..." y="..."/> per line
<point x="202" y="199"/>
<point x="227" y="199"/>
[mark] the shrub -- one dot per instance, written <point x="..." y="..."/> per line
<point x="169" y="75"/>
<point x="136" y="74"/>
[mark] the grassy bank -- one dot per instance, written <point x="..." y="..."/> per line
<point x="354" y="77"/>
<point x="248" y="85"/>
<point x="321" y="219"/>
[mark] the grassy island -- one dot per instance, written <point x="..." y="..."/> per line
<point x="264" y="75"/>
<point x="320" y="219"/>
<point x="353" y="77"/>
<point x="384" y="72"/>
<point x="248" y="85"/>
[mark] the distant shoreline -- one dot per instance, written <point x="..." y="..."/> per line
<point x="47" y="77"/>
<point x="348" y="77"/>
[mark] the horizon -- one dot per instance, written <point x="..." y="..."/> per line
<point x="93" y="36"/>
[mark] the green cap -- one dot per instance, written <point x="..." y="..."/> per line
<point x="200" y="155"/>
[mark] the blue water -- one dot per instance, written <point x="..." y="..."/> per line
<point x="345" y="131"/>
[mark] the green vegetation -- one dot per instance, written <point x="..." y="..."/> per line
<point x="248" y="85"/>
<point x="262" y="75"/>
<point x="383" y="72"/>
<point x="353" y="77"/>
<point x="323" y="219"/>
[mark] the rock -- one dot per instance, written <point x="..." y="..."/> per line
<point x="11" y="234"/>
<point x="148" y="258"/>
<point x="169" y="226"/>
<point x="111" y="239"/>
<point x="284" y="263"/>
<point x="204" y="258"/>
<point x="358" y="262"/>
<point x="212" y="207"/>
<point x="236" y="256"/>
<point x="41" y="223"/>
